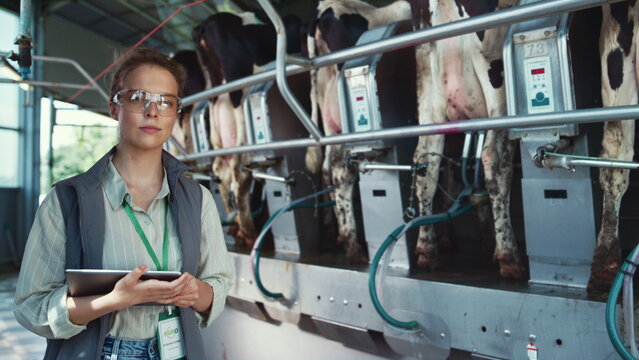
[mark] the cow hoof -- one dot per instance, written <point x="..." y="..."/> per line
<point x="429" y="263"/>
<point x="510" y="267"/>
<point x="355" y="254"/>
<point x="232" y="230"/>
<point x="605" y="266"/>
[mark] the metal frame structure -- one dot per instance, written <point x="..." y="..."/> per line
<point x="56" y="84"/>
<point x="336" y="318"/>
<point x="500" y="18"/>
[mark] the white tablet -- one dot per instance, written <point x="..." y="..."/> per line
<point x="86" y="282"/>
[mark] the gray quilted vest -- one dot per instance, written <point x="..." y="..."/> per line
<point x="82" y="206"/>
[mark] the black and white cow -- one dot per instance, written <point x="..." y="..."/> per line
<point x="462" y="78"/>
<point x="195" y="83"/>
<point x="231" y="47"/>
<point x="338" y="25"/>
<point x="618" y="45"/>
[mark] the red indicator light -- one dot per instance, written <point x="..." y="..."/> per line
<point x="259" y="118"/>
<point x="359" y="98"/>
<point x="538" y="71"/>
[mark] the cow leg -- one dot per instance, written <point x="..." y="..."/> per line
<point x="497" y="157"/>
<point x="431" y="109"/>
<point x="619" y="87"/>
<point x="618" y="143"/>
<point x="241" y="189"/>
<point x="223" y="173"/>
<point x="344" y="177"/>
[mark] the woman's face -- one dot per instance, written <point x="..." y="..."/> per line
<point x="146" y="128"/>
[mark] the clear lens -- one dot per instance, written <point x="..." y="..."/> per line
<point x="138" y="100"/>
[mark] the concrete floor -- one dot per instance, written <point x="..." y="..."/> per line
<point x="16" y="342"/>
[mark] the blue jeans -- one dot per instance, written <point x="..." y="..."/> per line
<point x="124" y="349"/>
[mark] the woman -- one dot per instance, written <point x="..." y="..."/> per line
<point x="131" y="205"/>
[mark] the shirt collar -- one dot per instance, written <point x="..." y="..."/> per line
<point x="117" y="191"/>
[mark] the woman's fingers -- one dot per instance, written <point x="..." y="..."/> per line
<point x="134" y="275"/>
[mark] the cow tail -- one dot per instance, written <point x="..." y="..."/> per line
<point x="313" y="153"/>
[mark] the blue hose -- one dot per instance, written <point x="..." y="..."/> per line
<point x="455" y="210"/>
<point x="296" y="204"/>
<point x="611" y="307"/>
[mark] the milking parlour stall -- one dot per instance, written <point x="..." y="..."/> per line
<point x="408" y="179"/>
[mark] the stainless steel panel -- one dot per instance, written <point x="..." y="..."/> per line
<point x="236" y="336"/>
<point x="349" y="335"/>
<point x="430" y="341"/>
<point x="382" y="209"/>
<point x="485" y="321"/>
<point x="560" y="232"/>
<point x="278" y="195"/>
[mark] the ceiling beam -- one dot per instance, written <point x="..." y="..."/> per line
<point x="127" y="25"/>
<point x="151" y="18"/>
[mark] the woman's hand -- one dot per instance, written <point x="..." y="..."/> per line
<point x="130" y="290"/>
<point x="196" y="294"/>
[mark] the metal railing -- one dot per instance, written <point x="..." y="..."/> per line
<point x="454" y="127"/>
<point x="55" y="84"/>
<point x="469" y="25"/>
<point x="500" y="18"/>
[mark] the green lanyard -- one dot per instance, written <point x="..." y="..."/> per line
<point x="145" y="241"/>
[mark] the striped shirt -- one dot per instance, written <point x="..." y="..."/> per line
<point x="41" y="294"/>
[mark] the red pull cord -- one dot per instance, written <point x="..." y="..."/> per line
<point x="108" y="68"/>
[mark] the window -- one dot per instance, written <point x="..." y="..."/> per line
<point x="9" y="103"/>
<point x="79" y="139"/>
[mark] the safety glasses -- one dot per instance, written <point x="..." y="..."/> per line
<point x="138" y="101"/>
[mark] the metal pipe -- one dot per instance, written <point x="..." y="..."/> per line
<point x="265" y="176"/>
<point x="298" y="60"/>
<point x="23" y="41"/>
<point x="479" y="147"/>
<point x="53" y="84"/>
<point x="468" y="138"/>
<point x="280" y="69"/>
<point x="198" y="176"/>
<point x="604" y="163"/>
<point x="78" y="67"/>
<point x="259" y="78"/>
<point x="71" y="62"/>
<point x="455" y="127"/>
<point x="26" y="10"/>
<point x="500" y="18"/>
<point x="178" y="146"/>
<point x="366" y="166"/>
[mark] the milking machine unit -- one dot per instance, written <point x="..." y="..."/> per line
<point x="558" y="204"/>
<point x="378" y="92"/>
<point x="268" y="118"/>
<point x="200" y="143"/>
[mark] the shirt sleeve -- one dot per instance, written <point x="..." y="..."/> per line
<point x="216" y="268"/>
<point x="41" y="293"/>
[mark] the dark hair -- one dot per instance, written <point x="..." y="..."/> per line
<point x="147" y="56"/>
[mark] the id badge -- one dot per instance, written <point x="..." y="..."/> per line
<point x="170" y="339"/>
